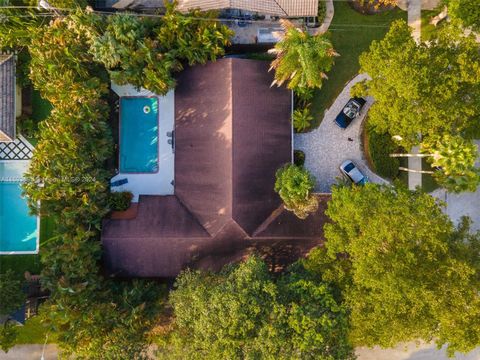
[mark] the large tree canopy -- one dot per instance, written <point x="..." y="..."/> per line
<point x="428" y="89"/>
<point x="467" y="12"/>
<point x="242" y="313"/>
<point x="12" y="296"/>
<point x="146" y="52"/>
<point x="406" y="272"/>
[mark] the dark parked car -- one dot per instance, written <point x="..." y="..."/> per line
<point x="351" y="171"/>
<point x="349" y="112"/>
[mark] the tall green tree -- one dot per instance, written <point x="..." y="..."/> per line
<point x="455" y="159"/>
<point x="12" y="296"/>
<point x="405" y="271"/>
<point x="294" y="184"/>
<point x="428" y="89"/>
<point x="8" y="335"/>
<point x="466" y="12"/>
<point x="93" y="317"/>
<point x="302" y="59"/>
<point x="243" y="313"/>
<point x="146" y="52"/>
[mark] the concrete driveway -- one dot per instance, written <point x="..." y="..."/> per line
<point x="327" y="147"/>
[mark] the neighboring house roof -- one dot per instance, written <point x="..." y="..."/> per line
<point x="7" y="98"/>
<point x="232" y="132"/>
<point x="288" y="8"/>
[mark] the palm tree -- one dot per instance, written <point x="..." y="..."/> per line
<point x="302" y="119"/>
<point x="301" y="59"/>
<point x="454" y="157"/>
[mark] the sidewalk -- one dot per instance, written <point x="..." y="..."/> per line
<point x="30" y="352"/>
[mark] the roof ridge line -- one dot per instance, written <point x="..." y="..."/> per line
<point x="275" y="213"/>
<point x="193" y="215"/>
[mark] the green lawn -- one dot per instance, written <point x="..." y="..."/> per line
<point x="21" y="263"/>
<point x="40" y="108"/>
<point x="351" y="34"/>
<point x="379" y="146"/>
<point x="33" y="332"/>
<point x="427" y="28"/>
<point x="428" y="182"/>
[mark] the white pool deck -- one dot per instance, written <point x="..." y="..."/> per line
<point x="160" y="183"/>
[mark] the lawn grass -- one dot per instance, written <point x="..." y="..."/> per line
<point x="428" y="182"/>
<point x="21" y="263"/>
<point x="428" y="29"/>
<point x="351" y="34"/>
<point x="33" y="332"/>
<point x="40" y="108"/>
<point x="379" y="147"/>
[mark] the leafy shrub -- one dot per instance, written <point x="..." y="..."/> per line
<point x="120" y="201"/>
<point x="303" y="97"/>
<point x="27" y="127"/>
<point x="298" y="158"/>
<point x="294" y="184"/>
<point x="302" y="118"/>
<point x="322" y="11"/>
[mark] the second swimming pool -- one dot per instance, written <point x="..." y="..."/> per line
<point x="18" y="229"/>
<point x="138" y="135"/>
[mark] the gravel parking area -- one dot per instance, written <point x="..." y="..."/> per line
<point x="328" y="146"/>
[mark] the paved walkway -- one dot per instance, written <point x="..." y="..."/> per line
<point x="328" y="146"/>
<point x="30" y="352"/>
<point x="415" y="18"/>
<point x="414" y="163"/>
<point x="412" y="351"/>
<point x="329" y="12"/>
<point x="415" y="22"/>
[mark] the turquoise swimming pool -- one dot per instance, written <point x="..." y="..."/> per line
<point x="18" y="229"/>
<point x="138" y="135"/>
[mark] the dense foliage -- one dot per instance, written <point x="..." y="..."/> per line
<point x="120" y="201"/>
<point x="8" y="335"/>
<point x="12" y="296"/>
<point x="428" y="89"/>
<point x="467" y="12"/>
<point x="302" y="59"/>
<point x="455" y="158"/>
<point x="243" y="313"/>
<point x="94" y="317"/>
<point x="405" y="271"/>
<point x="294" y="184"/>
<point x="146" y="52"/>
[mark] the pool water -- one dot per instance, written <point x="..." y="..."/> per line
<point x="138" y="135"/>
<point x="18" y="229"/>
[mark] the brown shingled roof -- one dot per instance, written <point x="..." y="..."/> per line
<point x="232" y="132"/>
<point x="287" y="8"/>
<point x="7" y="98"/>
